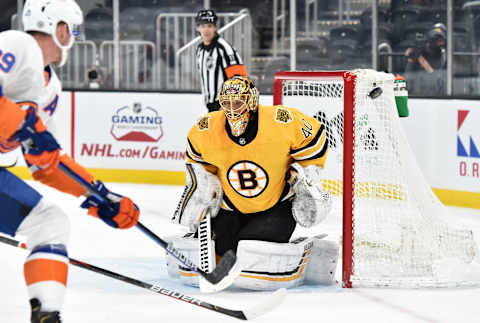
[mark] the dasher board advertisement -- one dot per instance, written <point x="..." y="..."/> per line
<point x="133" y="131"/>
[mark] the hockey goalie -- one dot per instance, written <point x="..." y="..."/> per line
<point x="255" y="171"/>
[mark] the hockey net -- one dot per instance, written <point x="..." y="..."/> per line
<point x="395" y="231"/>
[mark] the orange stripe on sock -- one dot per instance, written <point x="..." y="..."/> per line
<point x="38" y="270"/>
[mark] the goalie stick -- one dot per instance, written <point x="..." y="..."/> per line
<point x="220" y="278"/>
<point x="266" y="305"/>
<point x="206" y="249"/>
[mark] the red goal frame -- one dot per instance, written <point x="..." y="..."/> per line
<point x="348" y="151"/>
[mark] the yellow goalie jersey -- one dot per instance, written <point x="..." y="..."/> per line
<point x="253" y="167"/>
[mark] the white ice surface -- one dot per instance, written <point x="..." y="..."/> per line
<point x="95" y="298"/>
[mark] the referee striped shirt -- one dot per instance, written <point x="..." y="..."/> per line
<point x="216" y="63"/>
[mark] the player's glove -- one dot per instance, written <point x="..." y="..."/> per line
<point x="311" y="204"/>
<point x="39" y="146"/>
<point x="203" y="191"/>
<point x="115" y="210"/>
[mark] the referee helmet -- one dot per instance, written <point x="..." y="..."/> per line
<point x="206" y="16"/>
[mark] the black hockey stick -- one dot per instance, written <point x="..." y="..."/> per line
<point x="223" y="275"/>
<point x="266" y="305"/>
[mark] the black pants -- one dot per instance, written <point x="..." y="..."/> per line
<point x="274" y="225"/>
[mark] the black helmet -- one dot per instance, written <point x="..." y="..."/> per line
<point x="437" y="32"/>
<point x="206" y="17"/>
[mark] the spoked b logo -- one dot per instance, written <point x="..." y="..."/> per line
<point x="247" y="178"/>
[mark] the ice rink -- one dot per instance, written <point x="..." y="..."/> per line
<point x="95" y="298"/>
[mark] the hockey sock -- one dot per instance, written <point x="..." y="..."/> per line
<point x="46" y="271"/>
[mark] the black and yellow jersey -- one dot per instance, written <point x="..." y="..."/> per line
<point x="253" y="167"/>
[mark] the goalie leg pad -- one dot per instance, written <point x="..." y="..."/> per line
<point x="323" y="263"/>
<point x="271" y="265"/>
<point x="188" y="246"/>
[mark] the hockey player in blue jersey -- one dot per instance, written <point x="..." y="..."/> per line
<point x="29" y="90"/>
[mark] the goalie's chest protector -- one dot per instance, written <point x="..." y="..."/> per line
<point x="251" y="167"/>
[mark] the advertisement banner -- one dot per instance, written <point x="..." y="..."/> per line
<point x="144" y="131"/>
<point x="466" y="118"/>
<point x="445" y="138"/>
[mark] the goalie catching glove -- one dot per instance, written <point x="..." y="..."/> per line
<point x="203" y="191"/>
<point x="311" y="205"/>
<point x="115" y="210"/>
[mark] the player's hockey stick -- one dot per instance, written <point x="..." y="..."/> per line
<point x="266" y="305"/>
<point x="223" y="275"/>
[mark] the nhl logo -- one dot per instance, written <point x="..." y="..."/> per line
<point x="137" y="107"/>
<point x="242" y="141"/>
<point x="210" y="63"/>
<point x="137" y="123"/>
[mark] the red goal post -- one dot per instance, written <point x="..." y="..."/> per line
<point x="395" y="231"/>
<point x="348" y="180"/>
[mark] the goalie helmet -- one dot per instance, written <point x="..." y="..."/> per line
<point x="206" y="17"/>
<point x="238" y="98"/>
<point x="45" y="15"/>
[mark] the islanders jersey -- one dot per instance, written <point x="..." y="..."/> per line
<point x="25" y="79"/>
<point x="253" y="167"/>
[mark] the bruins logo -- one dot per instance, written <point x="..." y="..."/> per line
<point x="203" y="123"/>
<point x="283" y="116"/>
<point x="247" y="178"/>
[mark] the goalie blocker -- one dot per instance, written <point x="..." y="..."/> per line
<point x="268" y="265"/>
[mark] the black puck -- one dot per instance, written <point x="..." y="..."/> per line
<point x="375" y="93"/>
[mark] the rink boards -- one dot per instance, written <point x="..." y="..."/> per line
<point x="140" y="138"/>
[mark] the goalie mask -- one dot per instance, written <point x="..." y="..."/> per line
<point x="45" y="15"/>
<point x="238" y="99"/>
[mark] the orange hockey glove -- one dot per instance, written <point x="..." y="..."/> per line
<point x="115" y="210"/>
<point x="38" y="145"/>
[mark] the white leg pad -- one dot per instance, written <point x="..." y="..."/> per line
<point x="188" y="246"/>
<point x="323" y="263"/>
<point x="45" y="224"/>
<point x="269" y="265"/>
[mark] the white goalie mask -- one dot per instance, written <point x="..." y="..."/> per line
<point x="45" y="15"/>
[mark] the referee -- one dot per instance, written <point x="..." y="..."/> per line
<point x="216" y="59"/>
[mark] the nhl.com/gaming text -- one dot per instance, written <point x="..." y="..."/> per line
<point x="146" y="152"/>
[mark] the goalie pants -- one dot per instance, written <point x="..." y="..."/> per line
<point x="274" y="225"/>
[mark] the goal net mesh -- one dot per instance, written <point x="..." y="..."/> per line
<point x="402" y="234"/>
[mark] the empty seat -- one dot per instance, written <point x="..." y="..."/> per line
<point x="366" y="17"/>
<point x="99" y="24"/>
<point x="344" y="32"/>
<point x="312" y="48"/>
<point x="343" y="43"/>
<point x="133" y="22"/>
<point x="399" y="4"/>
<point x="402" y="18"/>
<point x="341" y="51"/>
